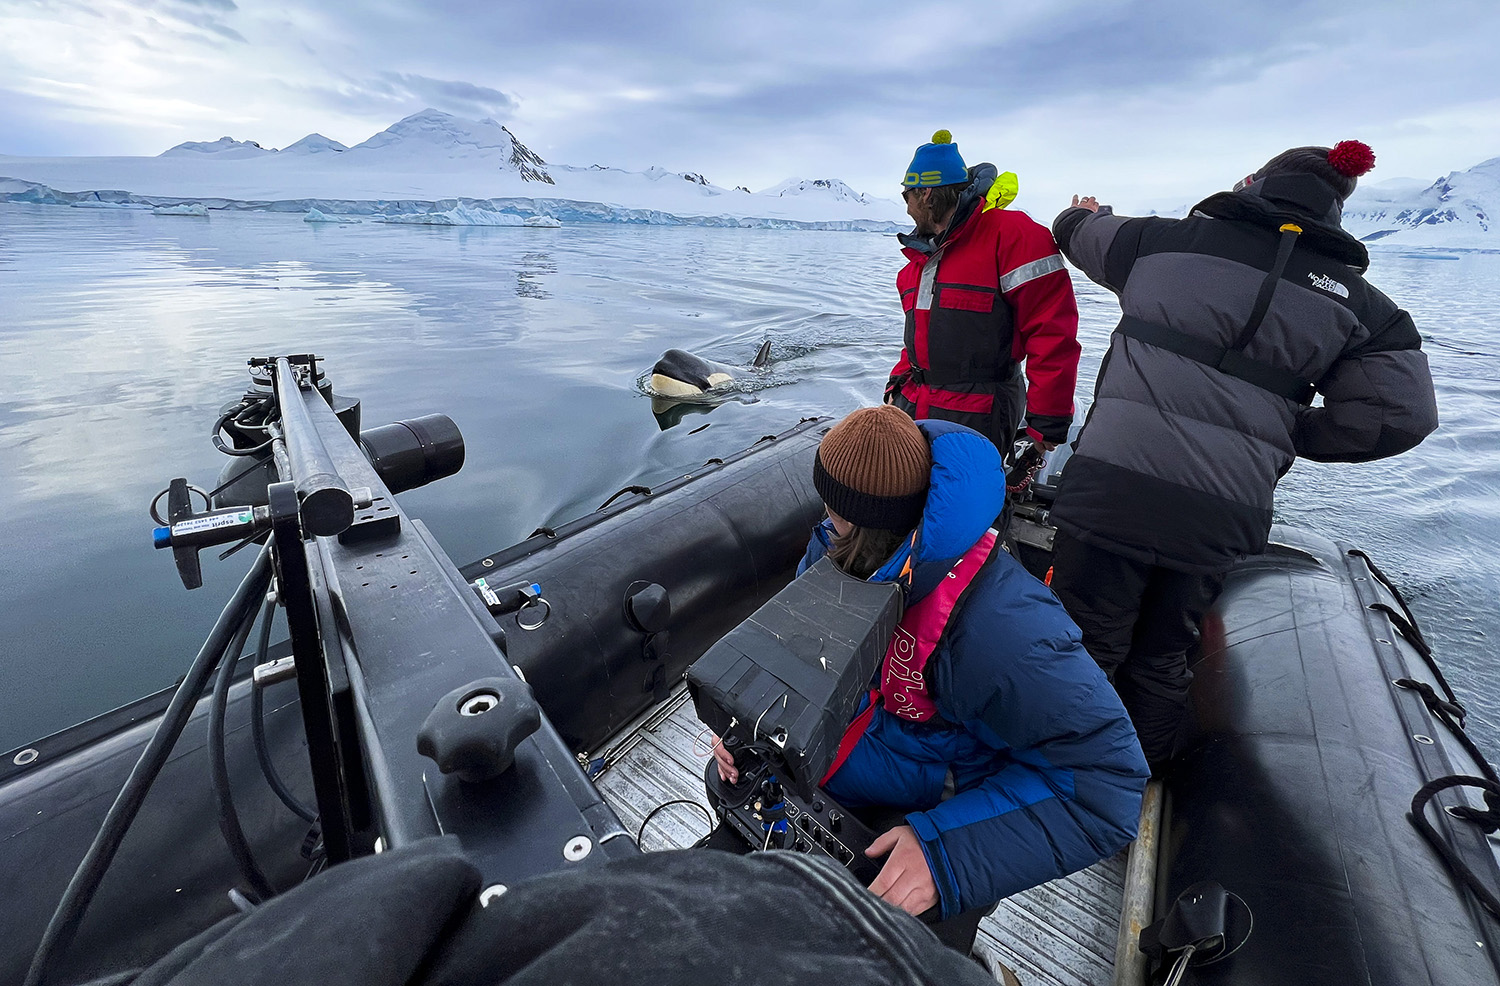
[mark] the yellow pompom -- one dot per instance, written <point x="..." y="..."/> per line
<point x="942" y="137"/>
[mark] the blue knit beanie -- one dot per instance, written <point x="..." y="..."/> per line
<point x="937" y="163"/>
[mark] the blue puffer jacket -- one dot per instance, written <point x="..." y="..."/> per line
<point x="1047" y="772"/>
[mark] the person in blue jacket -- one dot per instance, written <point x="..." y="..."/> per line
<point x="993" y="746"/>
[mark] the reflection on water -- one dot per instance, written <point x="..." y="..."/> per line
<point x="124" y="332"/>
<point x="669" y="414"/>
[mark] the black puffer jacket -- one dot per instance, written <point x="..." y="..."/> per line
<point x="1178" y="461"/>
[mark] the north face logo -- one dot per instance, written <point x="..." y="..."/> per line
<point x="1325" y="283"/>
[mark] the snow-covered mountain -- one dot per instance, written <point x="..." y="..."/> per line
<point x="1459" y="210"/>
<point x="830" y="188"/>
<point x="225" y="149"/>
<point x="432" y="134"/>
<point x="314" y="144"/>
<point x="432" y="162"/>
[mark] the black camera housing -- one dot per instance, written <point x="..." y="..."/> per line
<point x="787" y="681"/>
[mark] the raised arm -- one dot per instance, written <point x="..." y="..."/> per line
<point x="1101" y="244"/>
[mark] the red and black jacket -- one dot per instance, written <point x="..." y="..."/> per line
<point x="979" y="301"/>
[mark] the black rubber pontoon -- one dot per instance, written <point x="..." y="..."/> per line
<point x="1300" y="768"/>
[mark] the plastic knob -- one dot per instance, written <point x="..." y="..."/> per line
<point x="474" y="731"/>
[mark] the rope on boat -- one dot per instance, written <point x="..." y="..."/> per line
<point x="1490" y="819"/>
<point x="642" y="490"/>
<point x="1450" y="712"/>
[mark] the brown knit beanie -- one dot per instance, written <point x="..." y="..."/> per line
<point x="872" y="469"/>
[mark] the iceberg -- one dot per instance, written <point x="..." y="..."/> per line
<point x="319" y="216"/>
<point x="184" y="209"/>
<point x="465" y="215"/>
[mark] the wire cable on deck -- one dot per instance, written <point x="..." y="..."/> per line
<point x="676" y="801"/>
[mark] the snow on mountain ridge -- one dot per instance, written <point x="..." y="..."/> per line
<point x="225" y="148"/>
<point x="426" y="159"/>
<point x="1458" y="210"/>
<point x="433" y="133"/>
<point x="314" y="144"/>
<point x="830" y="187"/>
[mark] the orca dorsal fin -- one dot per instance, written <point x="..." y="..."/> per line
<point x="764" y="355"/>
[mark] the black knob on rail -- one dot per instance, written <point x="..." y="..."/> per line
<point x="474" y="731"/>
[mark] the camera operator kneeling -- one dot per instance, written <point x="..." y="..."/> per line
<point x="992" y="754"/>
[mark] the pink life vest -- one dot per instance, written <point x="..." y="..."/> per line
<point x="903" y="682"/>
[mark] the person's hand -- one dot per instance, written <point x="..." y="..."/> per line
<point x="728" y="772"/>
<point x="1049" y="446"/>
<point x="904" y="880"/>
<point x="1087" y="202"/>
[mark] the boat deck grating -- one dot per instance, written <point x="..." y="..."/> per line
<point x="1059" y="934"/>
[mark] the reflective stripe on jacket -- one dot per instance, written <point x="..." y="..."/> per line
<point x="992" y="294"/>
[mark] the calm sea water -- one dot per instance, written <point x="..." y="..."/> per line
<point x="121" y="333"/>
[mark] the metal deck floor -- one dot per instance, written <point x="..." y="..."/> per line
<point x="1059" y="934"/>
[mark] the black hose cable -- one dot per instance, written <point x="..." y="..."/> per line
<point x="65" y="920"/>
<point x="1460" y="869"/>
<point x="667" y="804"/>
<point x="219" y="444"/>
<point x="258" y="727"/>
<point x="261" y="889"/>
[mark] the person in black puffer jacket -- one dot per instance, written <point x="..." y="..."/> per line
<point x="1232" y="319"/>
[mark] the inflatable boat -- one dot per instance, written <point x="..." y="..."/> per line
<point x="1325" y="783"/>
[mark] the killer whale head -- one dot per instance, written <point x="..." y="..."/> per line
<point x="680" y="373"/>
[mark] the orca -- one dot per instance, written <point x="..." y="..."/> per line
<point x="680" y="373"/>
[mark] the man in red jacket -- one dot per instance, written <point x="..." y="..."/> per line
<point x="984" y="290"/>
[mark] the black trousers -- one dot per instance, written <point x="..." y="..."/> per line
<point x="1139" y="622"/>
<point x="958" y="932"/>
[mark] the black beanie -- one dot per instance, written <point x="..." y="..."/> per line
<point x="872" y="469"/>
<point x="1339" y="166"/>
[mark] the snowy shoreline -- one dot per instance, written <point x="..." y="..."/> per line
<point x="566" y="211"/>
<point x="438" y="169"/>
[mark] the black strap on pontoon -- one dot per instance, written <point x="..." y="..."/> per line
<point x="1232" y="360"/>
<point x="1446" y="709"/>
<point x="1460" y="869"/>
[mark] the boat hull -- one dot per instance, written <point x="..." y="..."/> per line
<point x="1296" y="777"/>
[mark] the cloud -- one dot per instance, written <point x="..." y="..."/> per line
<point x="391" y="95"/>
<point x="457" y="97"/>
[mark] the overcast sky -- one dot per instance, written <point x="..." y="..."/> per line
<point x="1138" y="102"/>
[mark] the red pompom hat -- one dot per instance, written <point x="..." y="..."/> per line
<point x="1351" y="158"/>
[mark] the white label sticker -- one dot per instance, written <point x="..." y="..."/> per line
<point x="197" y="525"/>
